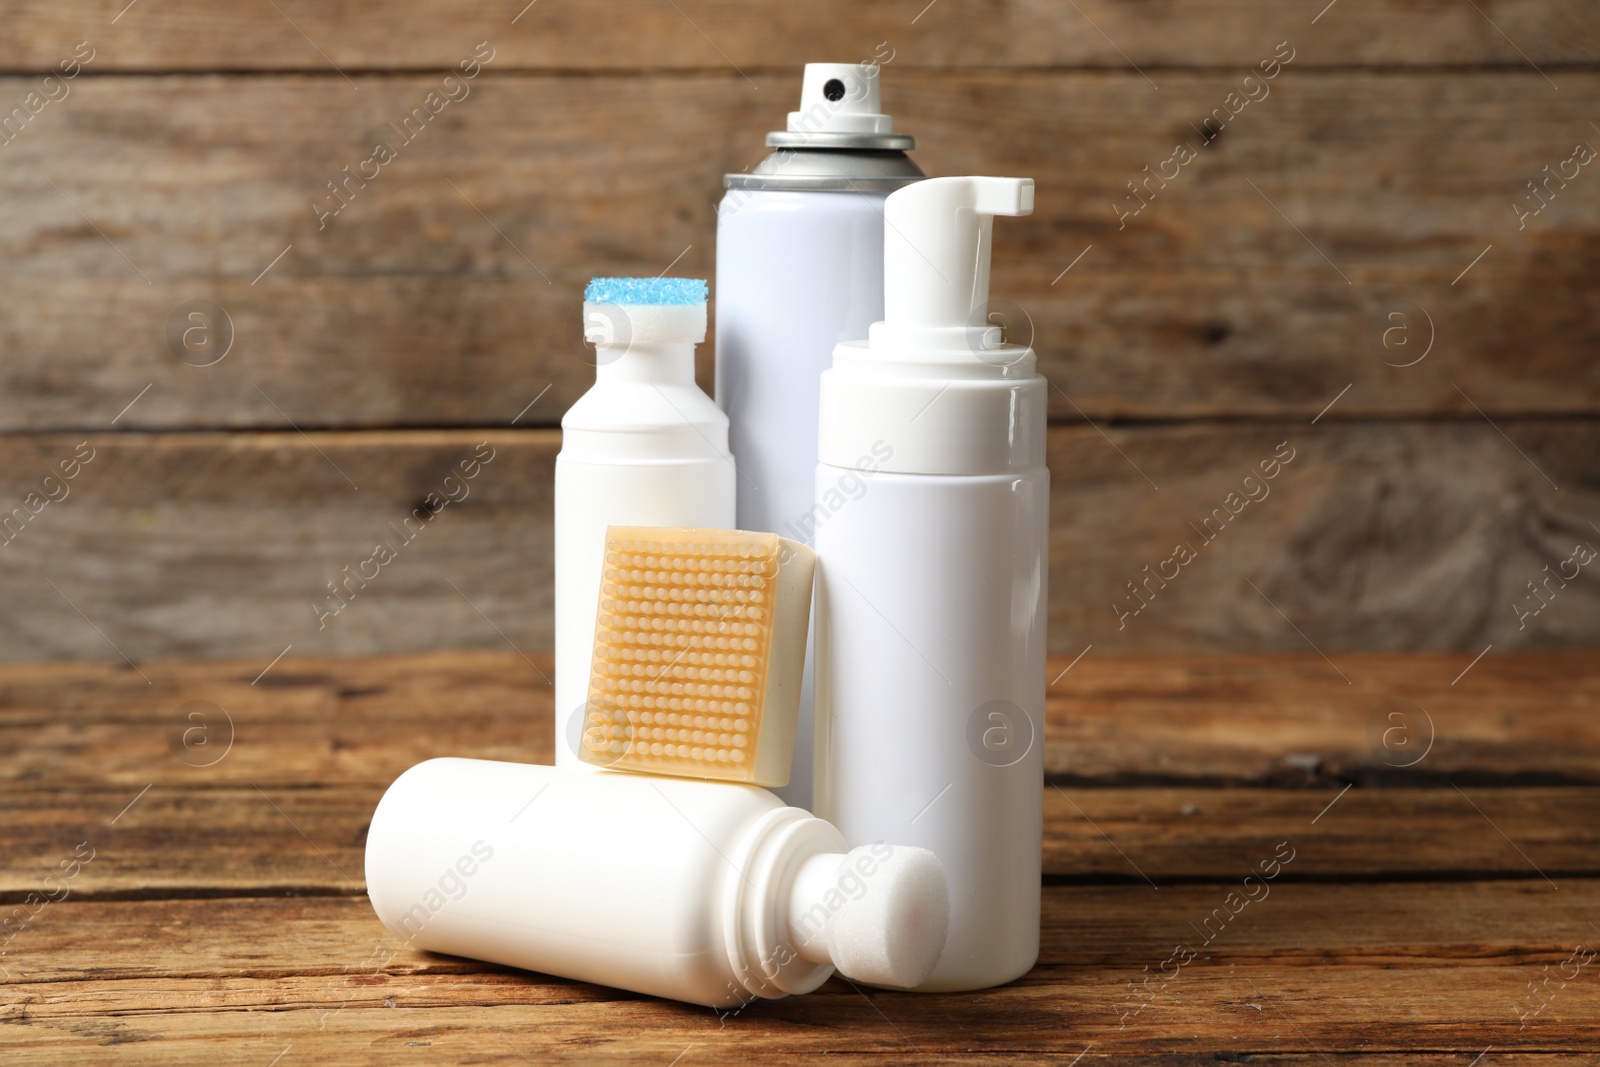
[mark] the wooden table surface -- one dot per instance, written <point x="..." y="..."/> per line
<point x="182" y="872"/>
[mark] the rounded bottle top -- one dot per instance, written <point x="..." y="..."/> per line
<point x="892" y="934"/>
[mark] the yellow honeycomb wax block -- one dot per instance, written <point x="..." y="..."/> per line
<point x="699" y="647"/>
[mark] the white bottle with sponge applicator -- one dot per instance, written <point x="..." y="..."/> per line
<point x="709" y="892"/>
<point x="643" y="447"/>
<point x="931" y="580"/>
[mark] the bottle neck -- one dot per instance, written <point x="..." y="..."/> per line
<point x="809" y="909"/>
<point x="772" y="950"/>
<point x="663" y="363"/>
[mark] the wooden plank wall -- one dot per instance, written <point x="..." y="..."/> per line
<point x="1350" y="273"/>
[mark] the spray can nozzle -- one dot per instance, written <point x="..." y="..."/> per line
<point x="936" y="256"/>
<point x="840" y="98"/>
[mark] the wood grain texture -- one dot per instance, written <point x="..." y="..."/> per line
<point x="1412" y="919"/>
<point x="719" y="34"/>
<point x="446" y="292"/>
<point x="1101" y="932"/>
<point x="223" y="545"/>
<point x="219" y="541"/>
<point x="268" y="783"/>
<point x="1178" y="722"/>
<point x="1456" y="954"/>
<point x="1033" y="1021"/>
<point x="1288" y="721"/>
<point x="1414" y="536"/>
<point x="207" y="839"/>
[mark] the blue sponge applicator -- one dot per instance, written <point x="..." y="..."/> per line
<point x="625" y="311"/>
<point x="645" y="292"/>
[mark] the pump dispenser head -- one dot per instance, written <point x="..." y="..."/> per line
<point x="935" y="382"/>
<point x="936" y="254"/>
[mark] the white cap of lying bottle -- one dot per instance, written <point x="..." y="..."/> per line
<point x="708" y="892"/>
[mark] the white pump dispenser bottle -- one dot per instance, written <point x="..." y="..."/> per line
<point x="932" y="576"/>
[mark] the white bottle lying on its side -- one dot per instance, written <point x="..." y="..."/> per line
<point x="709" y="892"/>
<point x="643" y="447"/>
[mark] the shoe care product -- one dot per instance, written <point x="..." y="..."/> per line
<point x="707" y="892"/>
<point x="931" y="588"/>
<point x="799" y="269"/>
<point x="698" y="648"/>
<point x="643" y="447"/>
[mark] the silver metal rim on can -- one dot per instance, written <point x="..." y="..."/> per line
<point x="834" y="162"/>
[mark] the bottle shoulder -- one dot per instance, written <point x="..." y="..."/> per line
<point x="932" y="425"/>
<point x="643" y="406"/>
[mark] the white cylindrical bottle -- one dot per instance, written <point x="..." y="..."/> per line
<point x="643" y="447"/>
<point x="931" y="570"/>
<point x="799" y="269"/>
<point x="708" y="892"/>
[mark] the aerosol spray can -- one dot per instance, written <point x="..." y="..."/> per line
<point x="799" y="269"/>
<point x="931" y="579"/>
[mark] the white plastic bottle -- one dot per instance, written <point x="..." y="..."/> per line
<point x="799" y="269"/>
<point x="708" y="892"/>
<point x="643" y="447"/>
<point x="932" y="573"/>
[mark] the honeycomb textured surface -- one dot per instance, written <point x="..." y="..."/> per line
<point x="683" y="643"/>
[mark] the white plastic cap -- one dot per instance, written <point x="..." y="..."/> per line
<point x="840" y="98"/>
<point x="892" y="934"/>
<point x="936" y="249"/>
<point x="630" y="324"/>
